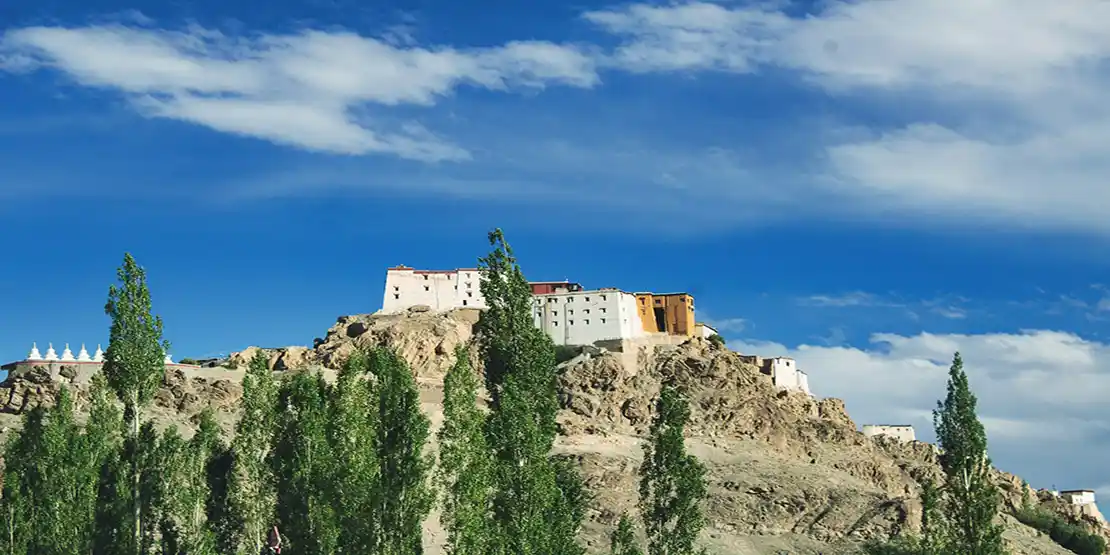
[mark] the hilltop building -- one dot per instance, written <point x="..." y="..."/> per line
<point x="783" y="371"/>
<point x="583" y="317"/>
<point x="441" y="290"/>
<point x="1079" y="496"/>
<point x="704" y="330"/>
<point x="670" y="313"/>
<point x="901" y="432"/>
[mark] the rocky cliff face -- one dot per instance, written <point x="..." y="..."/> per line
<point x="787" y="473"/>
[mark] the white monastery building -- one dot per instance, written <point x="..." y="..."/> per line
<point x="440" y="290"/>
<point x="901" y="432"/>
<point x="583" y="317"/>
<point x="1079" y="496"/>
<point x="785" y="374"/>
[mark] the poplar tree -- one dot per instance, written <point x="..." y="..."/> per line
<point x="533" y="515"/>
<point x="304" y="465"/>
<point x="352" y="431"/>
<point x="623" y="540"/>
<point x="99" y="448"/>
<point x="464" y="462"/>
<point x="970" y="499"/>
<point x="252" y="492"/>
<point x="134" y="363"/>
<point x="672" y="482"/>
<point x="404" y="496"/>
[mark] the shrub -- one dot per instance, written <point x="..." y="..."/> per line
<point x="717" y="340"/>
<point x="1068" y="535"/>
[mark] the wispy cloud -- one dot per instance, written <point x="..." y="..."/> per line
<point x="306" y="90"/>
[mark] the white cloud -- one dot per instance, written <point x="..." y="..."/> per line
<point x="303" y="89"/>
<point x="1042" y="394"/>
<point x="1023" y="133"/>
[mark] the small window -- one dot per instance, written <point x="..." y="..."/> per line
<point x="570" y="312"/>
<point x="456" y="288"/>
<point x="571" y="322"/>
<point x="587" y="299"/>
<point x="586" y="321"/>
<point x="396" y="288"/>
<point x="556" y="324"/>
<point x="426" y="288"/>
<point x="469" y="294"/>
<point x="603" y="320"/>
<point x="396" y="296"/>
<point x="468" y="285"/>
<point x="603" y="297"/>
<point x="464" y="302"/>
<point x="425" y="277"/>
<point x="554" y="313"/>
<point x="643" y="300"/>
<point x="603" y="310"/>
<point x="587" y="311"/>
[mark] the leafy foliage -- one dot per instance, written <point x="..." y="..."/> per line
<point x="464" y="462"/>
<point x="1070" y="536"/>
<point x="717" y="340"/>
<point x="623" y="540"/>
<point x="672" y="482"/>
<point x="533" y="514"/>
<point x="252" y="494"/>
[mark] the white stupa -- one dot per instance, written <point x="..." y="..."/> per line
<point x="51" y="356"/>
<point x="98" y="356"/>
<point x="169" y="360"/>
<point x="34" y="354"/>
<point x="83" y="355"/>
<point x="67" y="355"/>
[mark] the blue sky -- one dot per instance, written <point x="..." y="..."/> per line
<point x="865" y="186"/>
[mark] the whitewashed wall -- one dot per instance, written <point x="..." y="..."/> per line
<point x="583" y="317"/>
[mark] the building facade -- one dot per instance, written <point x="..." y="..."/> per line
<point x="784" y="373"/>
<point x="584" y="317"/>
<point x="549" y="287"/>
<point x="440" y="290"/>
<point x="703" y="330"/>
<point x="670" y="313"/>
<point x="1079" y="496"/>
<point x="901" y="432"/>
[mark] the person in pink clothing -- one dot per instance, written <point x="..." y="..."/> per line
<point x="273" y="543"/>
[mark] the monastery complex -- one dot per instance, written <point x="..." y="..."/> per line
<point x="573" y="315"/>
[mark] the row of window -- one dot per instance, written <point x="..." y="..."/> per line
<point x="585" y="322"/>
<point x="569" y="299"/>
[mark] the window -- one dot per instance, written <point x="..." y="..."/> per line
<point x="425" y="277"/>
<point x="469" y="294"/>
<point x="456" y="288"/>
<point x="587" y="299"/>
<point x="396" y="296"/>
<point x="587" y="311"/>
<point x="586" y="321"/>
<point x="571" y="322"/>
<point x="603" y="297"/>
<point x="468" y="285"/>
<point x="396" y="288"/>
<point x="464" y="302"/>
<point x="426" y="288"/>
<point x="569" y="312"/>
<point x="643" y="300"/>
<point x="556" y="324"/>
<point x="603" y="320"/>
<point x="554" y="313"/>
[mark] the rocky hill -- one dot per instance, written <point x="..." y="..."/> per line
<point x="787" y="473"/>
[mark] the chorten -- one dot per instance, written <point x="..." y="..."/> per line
<point x="169" y="360"/>
<point x="50" y="354"/>
<point x="83" y="356"/>
<point x="99" y="355"/>
<point x="34" y="354"/>
<point x="67" y="355"/>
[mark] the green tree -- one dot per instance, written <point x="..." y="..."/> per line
<point x="45" y="486"/>
<point x="970" y="498"/>
<point x="932" y="530"/>
<point x="100" y="447"/>
<point x="404" y="496"/>
<point x="134" y="363"/>
<point x="672" y="482"/>
<point x="623" y="540"/>
<point x="532" y="514"/>
<point x="464" y="462"/>
<point x="352" y="431"/>
<point x="252" y="492"/>
<point x="304" y="466"/>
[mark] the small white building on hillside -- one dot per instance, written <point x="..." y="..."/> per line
<point x="901" y="432"/>
<point x="440" y="290"/>
<point x="1079" y="496"/>
<point x="584" y="317"/>
<point x="785" y="374"/>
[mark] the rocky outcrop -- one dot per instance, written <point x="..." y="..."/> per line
<point x="427" y="340"/>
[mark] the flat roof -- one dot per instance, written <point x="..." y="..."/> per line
<point x="891" y="425"/>
<point x="1078" y="491"/>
